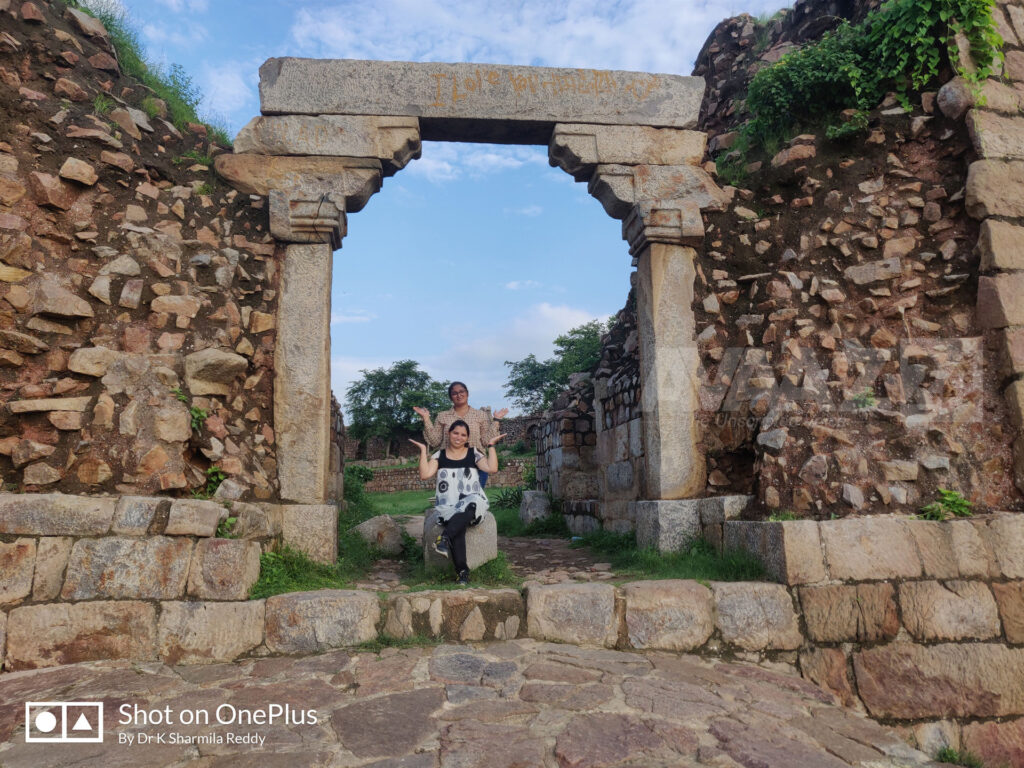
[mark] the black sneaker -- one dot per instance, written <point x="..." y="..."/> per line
<point x="441" y="545"/>
<point x="463" y="580"/>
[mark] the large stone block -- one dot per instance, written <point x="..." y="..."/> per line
<point x="17" y="562"/>
<point x="194" y="517"/>
<point x="465" y="615"/>
<point x="54" y="514"/>
<point x="674" y="615"/>
<point x="952" y="610"/>
<point x="224" y="569"/>
<point x="481" y="543"/>
<point x="1010" y="599"/>
<point x="302" y="375"/>
<point x="1000" y="246"/>
<point x="63" y="633"/>
<point x="840" y="613"/>
<point x="392" y="140"/>
<point x="535" y="506"/>
<point x="309" y="622"/>
<point x="478" y="102"/>
<point x="1006" y="537"/>
<point x="912" y="682"/>
<point x="351" y="180"/>
<point x="134" y="514"/>
<point x="792" y="552"/>
<point x="212" y="371"/>
<point x="995" y="136"/>
<point x="667" y="526"/>
<point x="311" y="528"/>
<point x="578" y="148"/>
<point x="935" y="547"/>
<point x="756" y="616"/>
<point x="995" y="743"/>
<point x="51" y="560"/>
<point x="1000" y="301"/>
<point x="971" y="550"/>
<point x="867" y="549"/>
<point x="826" y="668"/>
<point x="116" y="567"/>
<point x="204" y="633"/>
<point x="992" y="187"/>
<point x="257" y="521"/>
<point x="581" y="614"/>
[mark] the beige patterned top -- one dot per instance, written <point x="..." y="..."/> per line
<point x="482" y="428"/>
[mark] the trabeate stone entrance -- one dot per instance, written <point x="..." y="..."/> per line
<point x="332" y="129"/>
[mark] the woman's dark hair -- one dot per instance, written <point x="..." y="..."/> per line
<point x="459" y="423"/>
<point x="455" y="384"/>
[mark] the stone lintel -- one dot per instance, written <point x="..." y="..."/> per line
<point x="579" y="148"/>
<point x="479" y="102"/>
<point x="353" y="179"/>
<point x="675" y="222"/>
<point x="620" y="187"/>
<point x="302" y="396"/>
<point x="305" y="217"/>
<point x="392" y="140"/>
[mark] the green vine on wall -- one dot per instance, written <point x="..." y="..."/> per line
<point x="900" y="47"/>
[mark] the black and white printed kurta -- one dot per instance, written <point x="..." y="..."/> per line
<point x="458" y="485"/>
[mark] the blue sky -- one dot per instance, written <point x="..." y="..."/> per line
<point x="474" y="254"/>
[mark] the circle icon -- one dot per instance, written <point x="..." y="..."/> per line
<point x="45" y="722"/>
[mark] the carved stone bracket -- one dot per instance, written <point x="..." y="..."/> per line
<point x="675" y="222"/>
<point x="620" y="187"/>
<point x="307" y="218"/>
<point x="579" y="148"/>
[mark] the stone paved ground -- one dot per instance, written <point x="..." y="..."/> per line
<point x="516" y="704"/>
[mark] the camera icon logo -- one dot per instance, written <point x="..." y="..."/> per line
<point x="64" y="722"/>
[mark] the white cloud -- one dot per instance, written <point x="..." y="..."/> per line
<point x="445" y="161"/>
<point x="353" y="316"/>
<point x="228" y="87"/>
<point x="521" y="285"/>
<point x="192" y="6"/>
<point x="183" y="35"/>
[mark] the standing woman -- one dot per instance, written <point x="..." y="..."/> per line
<point x="459" y="498"/>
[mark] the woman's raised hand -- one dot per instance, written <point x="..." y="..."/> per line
<point x="423" y="413"/>
<point x="421" y="446"/>
<point x="501" y="414"/>
<point x="497" y="439"/>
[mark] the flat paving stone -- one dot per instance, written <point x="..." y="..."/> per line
<point x="515" y="704"/>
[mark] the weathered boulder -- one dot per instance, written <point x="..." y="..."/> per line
<point x="481" y="543"/>
<point x="381" y="532"/>
<point x="581" y="614"/>
<point x="535" y="506"/>
<point x="308" y="622"/>
<point x="78" y="170"/>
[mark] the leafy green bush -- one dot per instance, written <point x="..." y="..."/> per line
<point x="965" y="758"/>
<point x="902" y="46"/>
<point x="356" y="478"/>
<point x="509" y="498"/>
<point x="949" y="503"/>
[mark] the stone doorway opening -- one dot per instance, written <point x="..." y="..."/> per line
<point x="331" y="130"/>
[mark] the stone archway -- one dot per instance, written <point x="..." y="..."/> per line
<point x="332" y="129"/>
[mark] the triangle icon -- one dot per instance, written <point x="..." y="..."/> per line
<point x="81" y="724"/>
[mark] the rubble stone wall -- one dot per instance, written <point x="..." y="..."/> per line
<point x="408" y="478"/>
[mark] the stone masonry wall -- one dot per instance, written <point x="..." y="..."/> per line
<point x="133" y="285"/>
<point x="384" y="480"/>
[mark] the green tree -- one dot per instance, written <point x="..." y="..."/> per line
<point x="534" y="384"/>
<point x="380" y="404"/>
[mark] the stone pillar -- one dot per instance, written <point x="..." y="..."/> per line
<point x="674" y="463"/>
<point x="302" y="374"/>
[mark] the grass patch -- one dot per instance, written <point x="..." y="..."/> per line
<point x="382" y="642"/>
<point x="495" y="573"/>
<point x="400" y="502"/>
<point x="287" y="570"/>
<point x="964" y="758"/>
<point x="102" y="104"/>
<point x="172" y="84"/>
<point x="193" y="156"/>
<point x="700" y="561"/>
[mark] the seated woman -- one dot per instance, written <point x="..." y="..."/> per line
<point x="459" y="499"/>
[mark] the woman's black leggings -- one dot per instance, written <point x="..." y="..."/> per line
<point x="455" y="529"/>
